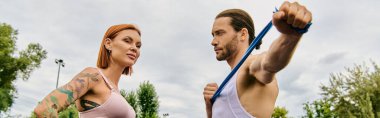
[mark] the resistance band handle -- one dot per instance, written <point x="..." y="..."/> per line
<point x="301" y="31"/>
<point x="304" y="30"/>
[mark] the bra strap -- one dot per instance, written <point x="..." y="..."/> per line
<point x="105" y="79"/>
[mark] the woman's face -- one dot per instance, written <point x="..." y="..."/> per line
<point x="125" y="47"/>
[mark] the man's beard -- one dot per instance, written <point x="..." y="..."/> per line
<point x="231" y="49"/>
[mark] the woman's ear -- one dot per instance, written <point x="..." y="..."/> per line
<point x="107" y="44"/>
<point x="244" y="34"/>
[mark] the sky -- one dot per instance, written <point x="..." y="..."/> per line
<point x="176" y="54"/>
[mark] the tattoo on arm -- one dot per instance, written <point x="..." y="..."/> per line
<point x="69" y="92"/>
<point x="55" y="102"/>
<point x="78" y="89"/>
<point x="92" y="76"/>
<point x="50" y="112"/>
<point x="80" y="82"/>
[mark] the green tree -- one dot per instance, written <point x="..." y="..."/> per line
<point x="280" y="112"/>
<point x="319" y="109"/>
<point x="147" y="100"/>
<point x="144" y="101"/>
<point x="12" y="66"/>
<point x="354" y="93"/>
<point x="69" y="112"/>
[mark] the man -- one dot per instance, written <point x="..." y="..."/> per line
<point x="253" y="90"/>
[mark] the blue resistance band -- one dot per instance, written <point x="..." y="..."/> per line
<point x="248" y="52"/>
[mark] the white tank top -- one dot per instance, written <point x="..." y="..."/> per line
<point x="227" y="105"/>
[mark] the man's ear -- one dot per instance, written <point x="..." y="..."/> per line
<point x="107" y="44"/>
<point x="244" y="34"/>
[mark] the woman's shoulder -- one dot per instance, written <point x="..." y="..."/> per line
<point x="90" y="70"/>
<point x="91" y="73"/>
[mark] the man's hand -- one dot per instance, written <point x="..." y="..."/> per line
<point x="289" y="16"/>
<point x="208" y="92"/>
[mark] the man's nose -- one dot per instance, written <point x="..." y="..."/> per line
<point x="214" y="42"/>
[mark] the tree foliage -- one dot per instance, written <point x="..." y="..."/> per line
<point x="13" y="67"/>
<point x="144" y="101"/>
<point x="69" y="112"/>
<point x="147" y="100"/>
<point x="319" y="109"/>
<point x="354" y="93"/>
<point x="280" y="112"/>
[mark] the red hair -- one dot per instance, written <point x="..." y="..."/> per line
<point x="104" y="55"/>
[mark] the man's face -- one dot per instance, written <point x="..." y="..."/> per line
<point x="225" y="38"/>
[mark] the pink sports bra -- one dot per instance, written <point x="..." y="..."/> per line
<point x="115" y="106"/>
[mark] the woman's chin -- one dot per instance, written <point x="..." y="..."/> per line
<point x="129" y="63"/>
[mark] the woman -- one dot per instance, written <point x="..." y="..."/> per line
<point x="95" y="91"/>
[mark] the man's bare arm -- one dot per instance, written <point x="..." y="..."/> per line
<point x="278" y="56"/>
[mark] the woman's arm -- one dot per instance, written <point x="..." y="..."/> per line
<point x="63" y="96"/>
